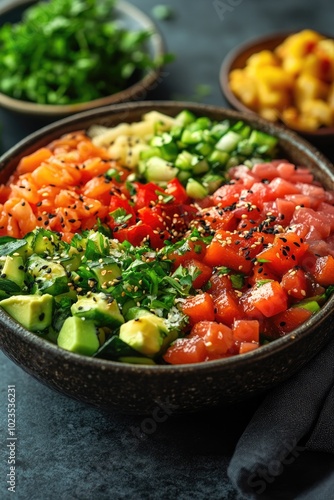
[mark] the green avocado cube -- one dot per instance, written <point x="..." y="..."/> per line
<point x="34" y="312"/>
<point x="146" y="334"/>
<point x="79" y="335"/>
<point x="100" y="308"/>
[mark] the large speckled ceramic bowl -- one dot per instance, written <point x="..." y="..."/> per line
<point x="185" y="388"/>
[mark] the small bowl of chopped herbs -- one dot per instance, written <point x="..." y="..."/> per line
<point x="64" y="56"/>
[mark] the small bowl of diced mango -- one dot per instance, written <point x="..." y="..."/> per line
<point x="285" y="78"/>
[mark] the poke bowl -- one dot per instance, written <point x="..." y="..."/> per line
<point x="158" y="223"/>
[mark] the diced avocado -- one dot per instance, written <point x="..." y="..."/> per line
<point x="12" y="268"/>
<point x="49" y="276"/>
<point x="34" y="312"/>
<point x="79" y="335"/>
<point x="100" y="308"/>
<point x="146" y="334"/>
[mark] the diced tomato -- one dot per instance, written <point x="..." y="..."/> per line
<point x="146" y="194"/>
<point x="141" y="233"/>
<point x="120" y="202"/>
<point x="199" y="307"/>
<point x="186" y="351"/>
<point x="152" y="216"/>
<point x="178" y="218"/>
<point x="246" y="330"/>
<point x="175" y="189"/>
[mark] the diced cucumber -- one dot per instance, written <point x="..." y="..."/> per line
<point x="196" y="190"/>
<point x="233" y="161"/>
<point x="185" y="117"/>
<point x="245" y="147"/>
<point x="242" y="129"/>
<point x="201" y="167"/>
<point x="185" y="160"/>
<point x="203" y="123"/>
<point x="148" y="153"/>
<point x="259" y="138"/>
<point x="219" y="129"/>
<point x="189" y="137"/>
<point x="212" y="182"/>
<point x="228" y="142"/>
<point x="220" y="157"/>
<point x="184" y="175"/>
<point x="159" y="170"/>
<point x="204" y="148"/>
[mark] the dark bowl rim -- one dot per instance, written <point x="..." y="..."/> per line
<point x="253" y="45"/>
<point x="137" y="90"/>
<point x="308" y="328"/>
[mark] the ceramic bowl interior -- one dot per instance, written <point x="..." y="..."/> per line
<point x="131" y="18"/>
<point x="237" y="58"/>
<point x="127" y="388"/>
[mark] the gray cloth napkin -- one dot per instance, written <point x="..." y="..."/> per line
<point x="295" y="418"/>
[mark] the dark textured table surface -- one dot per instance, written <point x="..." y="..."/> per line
<point x="66" y="450"/>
